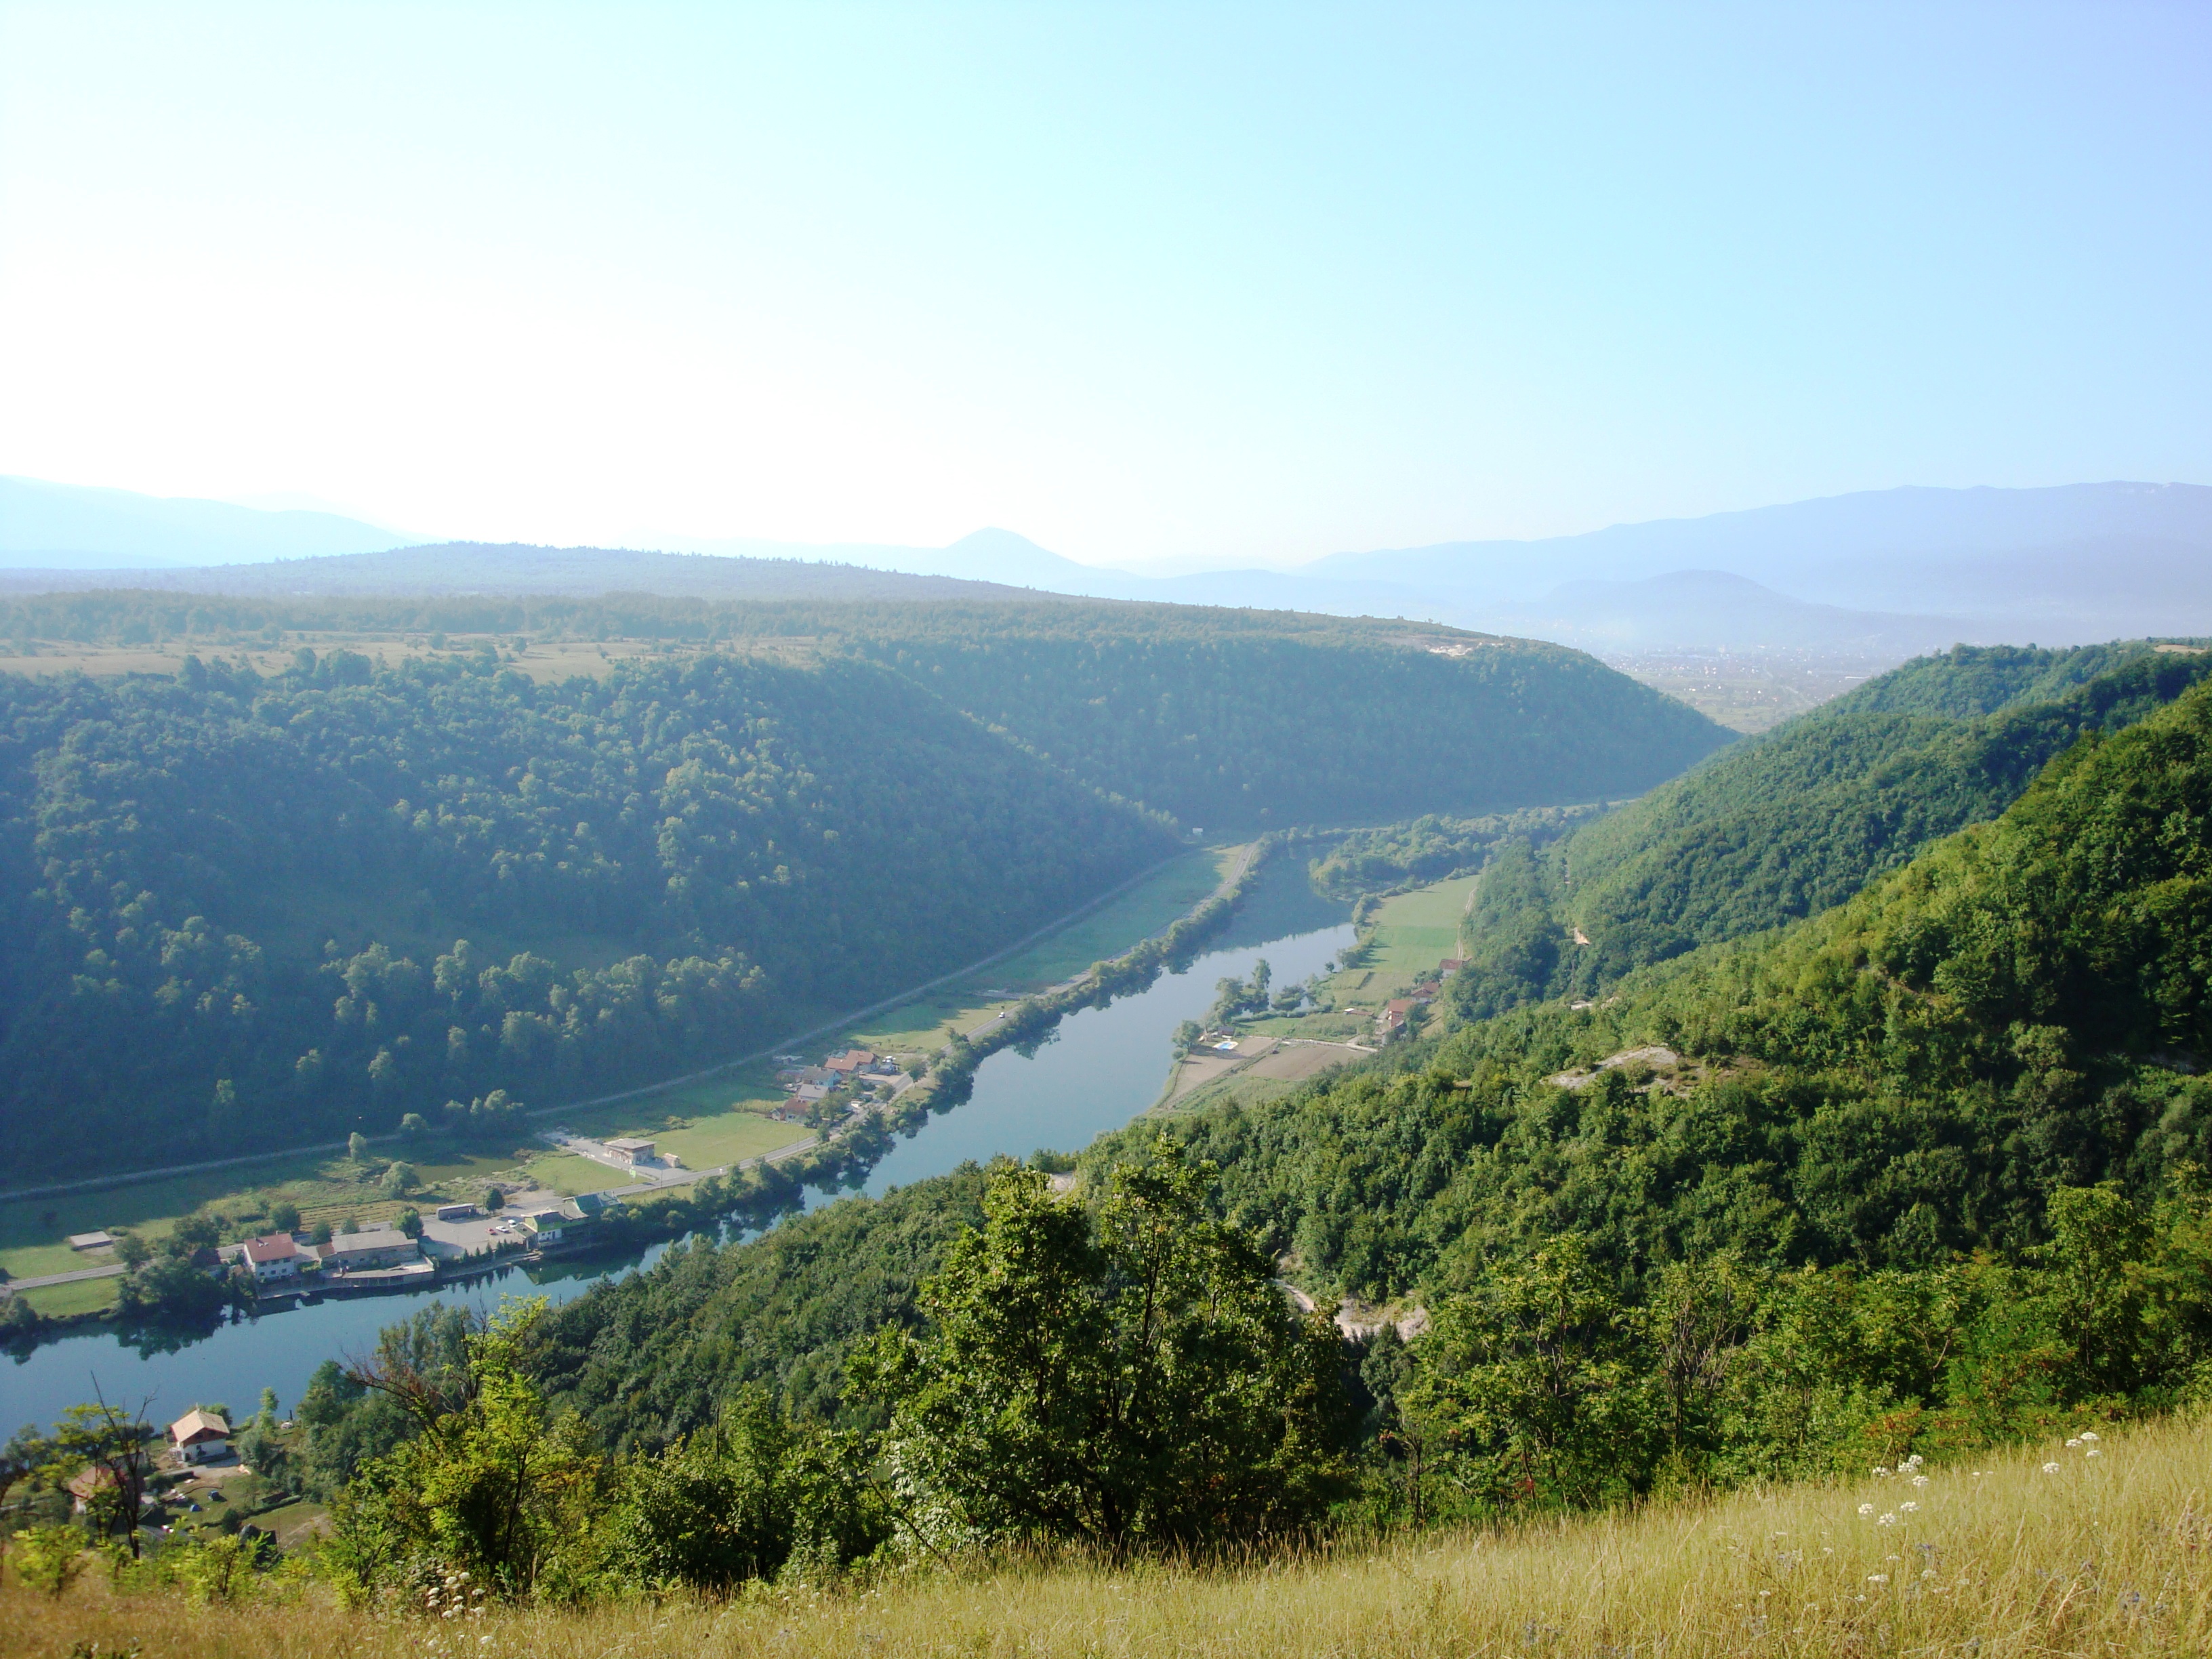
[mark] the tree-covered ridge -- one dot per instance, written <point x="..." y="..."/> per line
<point x="1434" y="847"/>
<point x="654" y="868"/>
<point x="1262" y="730"/>
<point x="1221" y="718"/>
<point x="1788" y="824"/>
<point x="1903" y="1077"/>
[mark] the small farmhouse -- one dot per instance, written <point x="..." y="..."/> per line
<point x="86" y="1486"/>
<point x="273" y="1256"/>
<point x="200" y="1436"/>
<point x="637" y="1150"/>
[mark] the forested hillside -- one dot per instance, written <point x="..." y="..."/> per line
<point x="1923" y="1173"/>
<point x="1224" y="718"/>
<point x="245" y="913"/>
<point x="247" y="910"/>
<point x="1789" y="823"/>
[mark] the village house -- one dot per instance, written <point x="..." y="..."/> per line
<point x="807" y="1093"/>
<point x="271" y="1257"/>
<point x="637" y="1150"/>
<point x="1450" y="965"/>
<point x="86" y="1486"/>
<point x="1395" y="1012"/>
<point x="377" y="1247"/>
<point x="557" y="1225"/>
<point x="852" y="1060"/>
<point x="200" y="1436"/>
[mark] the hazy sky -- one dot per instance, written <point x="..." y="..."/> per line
<point x="1218" y="283"/>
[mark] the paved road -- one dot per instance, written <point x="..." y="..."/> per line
<point x="113" y="1270"/>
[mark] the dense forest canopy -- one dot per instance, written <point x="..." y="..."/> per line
<point x="1790" y="823"/>
<point x="250" y="913"/>
<point x="247" y="910"/>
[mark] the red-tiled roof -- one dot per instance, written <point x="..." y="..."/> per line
<point x="270" y="1247"/>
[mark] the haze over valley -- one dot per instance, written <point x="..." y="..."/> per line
<point x="943" y="830"/>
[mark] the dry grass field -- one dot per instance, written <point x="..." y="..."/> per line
<point x="2109" y="1554"/>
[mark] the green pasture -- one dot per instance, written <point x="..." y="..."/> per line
<point x="85" y="1295"/>
<point x="1415" y="931"/>
<point x="1150" y="906"/>
<point x="714" y="1122"/>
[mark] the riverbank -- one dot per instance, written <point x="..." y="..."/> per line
<point x="758" y="1169"/>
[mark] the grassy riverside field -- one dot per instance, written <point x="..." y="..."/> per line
<point x="1119" y="924"/>
<point x="2107" y="1554"/>
<point x="1407" y="937"/>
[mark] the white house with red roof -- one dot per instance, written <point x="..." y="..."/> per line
<point x="273" y="1256"/>
<point x="200" y="1436"/>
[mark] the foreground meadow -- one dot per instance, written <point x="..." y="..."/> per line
<point x="2089" y="1548"/>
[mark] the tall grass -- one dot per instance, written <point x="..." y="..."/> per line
<point x="2106" y="1555"/>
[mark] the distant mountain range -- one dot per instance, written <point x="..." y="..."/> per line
<point x="1880" y="573"/>
<point x="74" y="528"/>
<point x="449" y="568"/>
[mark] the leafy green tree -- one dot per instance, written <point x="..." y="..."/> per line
<point x="410" y="1222"/>
<point x="740" y="1499"/>
<point x="1537" y="1381"/>
<point x="284" y="1216"/>
<point x="112" y="1444"/>
<point x="132" y="1251"/>
<point x="357" y="1148"/>
<point x="398" y="1179"/>
<point x="49" y="1558"/>
<point x="1131" y="1379"/>
<point x="22" y="1460"/>
<point x="491" y="1483"/>
<point x="193" y="1234"/>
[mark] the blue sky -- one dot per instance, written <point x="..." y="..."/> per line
<point x="1198" y="284"/>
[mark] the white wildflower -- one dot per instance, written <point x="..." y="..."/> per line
<point x="1908" y="1508"/>
<point x="2051" y="1468"/>
<point x="2088" y="1439"/>
<point x="1881" y="1473"/>
<point x="1919" y="1479"/>
<point x="1877" y="1578"/>
<point x="2092" y="1452"/>
<point x="1887" y="1520"/>
<point x="1866" y="1509"/>
<point x="2072" y="1445"/>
